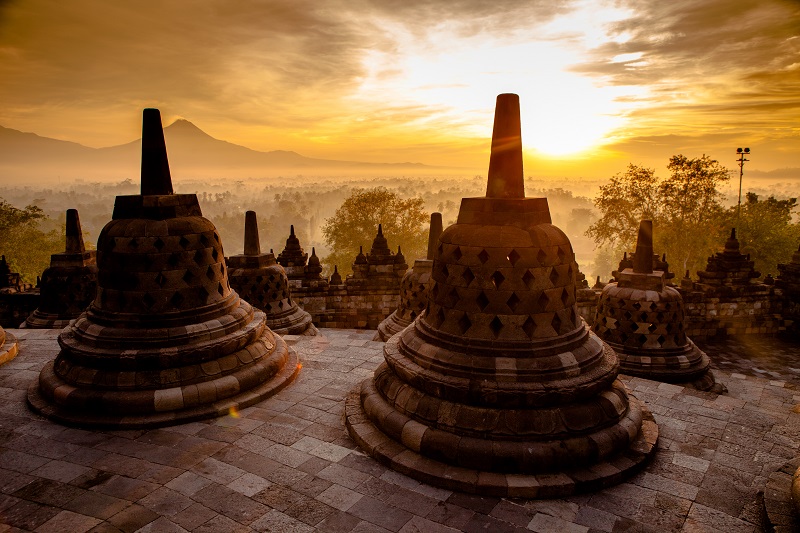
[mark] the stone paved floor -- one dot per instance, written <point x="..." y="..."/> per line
<point x="287" y="464"/>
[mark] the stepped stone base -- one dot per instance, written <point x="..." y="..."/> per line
<point x="391" y="326"/>
<point x="40" y="320"/>
<point x="9" y="349"/>
<point x="400" y="457"/>
<point x="282" y="367"/>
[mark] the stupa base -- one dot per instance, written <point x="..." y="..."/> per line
<point x="9" y="349"/>
<point x="690" y="369"/>
<point x="39" y="320"/>
<point x="390" y="326"/>
<point x="297" y="323"/>
<point x="545" y="485"/>
<point x="167" y="417"/>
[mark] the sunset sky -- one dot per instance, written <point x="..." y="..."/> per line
<point x="601" y="83"/>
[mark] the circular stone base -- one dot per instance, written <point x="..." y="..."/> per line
<point x="782" y="498"/>
<point x="168" y="418"/>
<point x="9" y="349"/>
<point x="390" y="327"/>
<point x="39" y="320"/>
<point x="552" y="485"/>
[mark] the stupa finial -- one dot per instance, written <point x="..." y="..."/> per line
<point x="155" y="166"/>
<point x="380" y="230"/>
<point x="74" y="235"/>
<point x="252" y="246"/>
<point x="433" y="233"/>
<point x="643" y="258"/>
<point x="506" y="178"/>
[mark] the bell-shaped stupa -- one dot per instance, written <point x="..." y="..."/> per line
<point x="69" y="285"/>
<point x="642" y="318"/>
<point x="262" y="282"/>
<point x="499" y="387"/>
<point x="166" y="340"/>
<point x="413" y="288"/>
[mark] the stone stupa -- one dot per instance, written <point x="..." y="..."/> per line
<point x="499" y="387"/>
<point x="413" y="288"/>
<point x="166" y="340"/>
<point x="262" y="282"/>
<point x="642" y="319"/>
<point x="69" y="285"/>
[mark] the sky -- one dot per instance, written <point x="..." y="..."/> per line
<point x="602" y="83"/>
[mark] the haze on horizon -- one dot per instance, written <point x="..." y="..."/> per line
<point x="602" y="83"/>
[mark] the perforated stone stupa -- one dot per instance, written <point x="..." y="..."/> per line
<point x="643" y="320"/>
<point x="166" y="340"/>
<point x="500" y="388"/>
<point x="262" y="282"/>
<point x="69" y="285"/>
<point x="413" y="288"/>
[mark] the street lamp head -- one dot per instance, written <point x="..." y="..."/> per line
<point x="738" y="150"/>
<point x="747" y="150"/>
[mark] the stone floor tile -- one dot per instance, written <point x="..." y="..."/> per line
<point x="343" y="475"/>
<point x="230" y="503"/>
<point x="595" y="519"/>
<point x="162" y="525"/>
<point x="249" y="484"/>
<point x="125" y="488"/>
<point x="96" y="504"/>
<point x="217" y="471"/>
<point x="707" y="516"/>
<point x="132" y="518"/>
<point x="48" y="492"/>
<point x="28" y="515"/>
<point x="450" y="515"/>
<point x="68" y="521"/>
<point x="379" y="513"/>
<point x="60" y="471"/>
<point x="165" y="501"/>
<point x="221" y="523"/>
<point x="188" y="483"/>
<point x="309" y="511"/>
<point x="544" y="523"/>
<point x="277" y="522"/>
<point x="480" y="523"/>
<point x="193" y="516"/>
<point x="418" y="524"/>
<point x="339" y="497"/>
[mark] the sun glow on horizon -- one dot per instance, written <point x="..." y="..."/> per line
<point x="456" y="79"/>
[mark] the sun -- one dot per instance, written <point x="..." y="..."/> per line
<point x="457" y="77"/>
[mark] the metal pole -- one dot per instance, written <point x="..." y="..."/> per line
<point x="741" y="161"/>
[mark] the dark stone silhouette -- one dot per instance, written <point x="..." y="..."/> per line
<point x="413" y="287"/>
<point x="643" y="320"/>
<point x="499" y="387"/>
<point x="69" y="285"/>
<point x="166" y="340"/>
<point x="262" y="282"/>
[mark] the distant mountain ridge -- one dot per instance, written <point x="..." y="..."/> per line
<point x="191" y="151"/>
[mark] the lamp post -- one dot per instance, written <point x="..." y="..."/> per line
<point x="741" y="160"/>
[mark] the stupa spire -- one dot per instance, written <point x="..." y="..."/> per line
<point x="74" y="235"/>
<point x="433" y="233"/>
<point x="155" y="166"/>
<point x="505" y="163"/>
<point x="643" y="258"/>
<point x="252" y="246"/>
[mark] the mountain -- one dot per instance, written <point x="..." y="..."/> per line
<point x="192" y="154"/>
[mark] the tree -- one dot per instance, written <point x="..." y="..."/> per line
<point x="355" y="223"/>
<point x="685" y="208"/>
<point x="27" y="248"/>
<point x="765" y="231"/>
